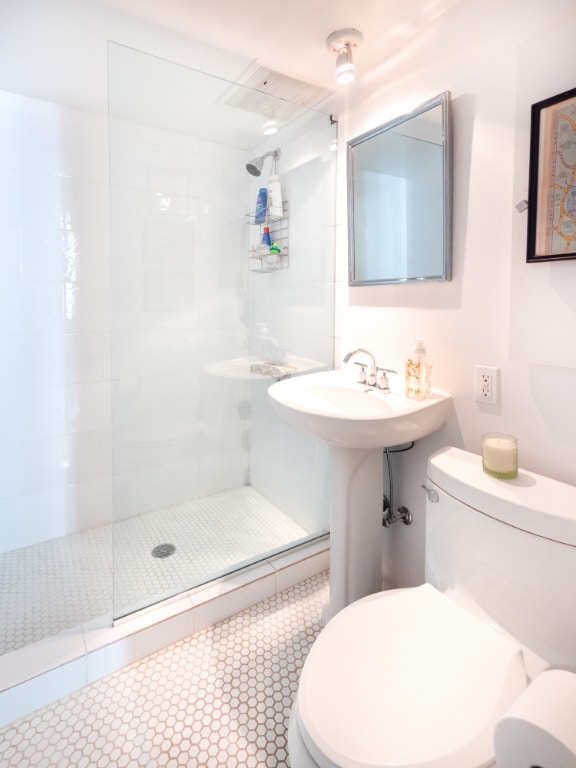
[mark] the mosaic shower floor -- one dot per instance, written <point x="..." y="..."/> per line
<point x="218" y="699"/>
<point x="54" y="586"/>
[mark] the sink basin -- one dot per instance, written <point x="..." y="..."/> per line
<point x="331" y="406"/>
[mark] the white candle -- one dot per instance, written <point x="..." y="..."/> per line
<point x="500" y="455"/>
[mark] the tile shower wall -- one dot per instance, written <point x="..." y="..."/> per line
<point x="297" y="305"/>
<point x="55" y="394"/>
<point x="55" y="341"/>
<point x="179" y="307"/>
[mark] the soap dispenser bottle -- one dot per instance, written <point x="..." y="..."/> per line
<point x="268" y="349"/>
<point x="418" y="372"/>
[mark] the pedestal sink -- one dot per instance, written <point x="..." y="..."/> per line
<point x="357" y="422"/>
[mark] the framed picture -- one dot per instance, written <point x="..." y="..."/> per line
<point x="552" y="179"/>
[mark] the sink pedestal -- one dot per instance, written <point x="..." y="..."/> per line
<point x="355" y="525"/>
<point x="357" y="422"/>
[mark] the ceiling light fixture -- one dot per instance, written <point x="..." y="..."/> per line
<point x="342" y="44"/>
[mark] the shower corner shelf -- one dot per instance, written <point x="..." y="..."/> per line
<point x="260" y="259"/>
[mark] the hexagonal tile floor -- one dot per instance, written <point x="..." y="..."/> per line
<point x="50" y="587"/>
<point x="218" y="699"/>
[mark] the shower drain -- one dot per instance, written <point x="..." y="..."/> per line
<point x="163" y="550"/>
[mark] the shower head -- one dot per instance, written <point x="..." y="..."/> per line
<point x="255" y="166"/>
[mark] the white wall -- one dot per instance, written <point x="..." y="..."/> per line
<point x="496" y="59"/>
<point x="55" y="400"/>
<point x="297" y="304"/>
<point x="178" y="305"/>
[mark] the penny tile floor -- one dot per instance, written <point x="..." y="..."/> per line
<point x="48" y="588"/>
<point x="218" y="699"/>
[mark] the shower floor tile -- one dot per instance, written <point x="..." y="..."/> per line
<point x="218" y="699"/>
<point x="210" y="534"/>
<point x="48" y="588"/>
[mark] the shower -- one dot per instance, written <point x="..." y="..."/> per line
<point x="175" y="471"/>
<point x="255" y="166"/>
<point x="192" y="459"/>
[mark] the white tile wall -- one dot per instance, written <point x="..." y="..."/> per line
<point x="297" y="305"/>
<point x="176" y="281"/>
<point x="179" y="301"/>
<point x="55" y="405"/>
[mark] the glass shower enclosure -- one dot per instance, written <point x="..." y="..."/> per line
<point x="206" y="478"/>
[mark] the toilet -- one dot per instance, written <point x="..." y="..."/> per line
<point x="421" y="677"/>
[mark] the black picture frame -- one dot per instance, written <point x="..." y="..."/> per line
<point x="552" y="179"/>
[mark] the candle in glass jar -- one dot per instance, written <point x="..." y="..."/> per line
<point x="500" y="455"/>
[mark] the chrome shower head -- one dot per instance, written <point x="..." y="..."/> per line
<point x="255" y="166"/>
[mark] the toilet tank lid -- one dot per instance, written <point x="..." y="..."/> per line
<point x="531" y="502"/>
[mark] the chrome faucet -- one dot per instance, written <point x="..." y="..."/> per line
<point x="370" y="377"/>
<point x="375" y="377"/>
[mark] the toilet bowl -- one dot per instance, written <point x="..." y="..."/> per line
<point x="421" y="677"/>
<point x="404" y="678"/>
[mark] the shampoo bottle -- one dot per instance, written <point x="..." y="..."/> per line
<point x="275" y="210"/>
<point x="261" y="206"/>
<point x="418" y="372"/>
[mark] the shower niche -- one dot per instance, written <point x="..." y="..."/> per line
<point x="264" y="257"/>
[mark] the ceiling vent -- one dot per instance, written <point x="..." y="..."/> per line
<point x="276" y="96"/>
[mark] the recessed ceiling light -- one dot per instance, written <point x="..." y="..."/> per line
<point x="270" y="127"/>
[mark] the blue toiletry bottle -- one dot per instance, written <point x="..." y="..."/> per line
<point x="261" y="206"/>
<point x="266" y="237"/>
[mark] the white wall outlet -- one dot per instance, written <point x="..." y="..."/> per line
<point x="487" y="384"/>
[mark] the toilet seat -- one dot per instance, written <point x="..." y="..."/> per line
<point x="406" y="678"/>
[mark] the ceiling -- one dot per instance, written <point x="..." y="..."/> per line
<point x="291" y="36"/>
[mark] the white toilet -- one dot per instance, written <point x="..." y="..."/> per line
<point x="420" y="677"/>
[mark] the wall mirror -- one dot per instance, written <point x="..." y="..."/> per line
<point x="399" y="199"/>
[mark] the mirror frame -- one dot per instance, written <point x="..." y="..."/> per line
<point x="445" y="273"/>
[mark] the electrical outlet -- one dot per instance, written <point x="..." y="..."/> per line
<point x="486" y="384"/>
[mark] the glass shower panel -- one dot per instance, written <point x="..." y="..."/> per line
<point x="198" y="491"/>
<point x="292" y="320"/>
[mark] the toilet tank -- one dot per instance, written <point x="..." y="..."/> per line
<point x="506" y="549"/>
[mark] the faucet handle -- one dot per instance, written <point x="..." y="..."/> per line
<point x="361" y="373"/>
<point x="382" y="378"/>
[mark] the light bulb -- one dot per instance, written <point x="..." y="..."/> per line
<point x="342" y="42"/>
<point x="344" y="66"/>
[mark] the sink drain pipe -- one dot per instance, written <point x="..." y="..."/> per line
<point x="403" y="513"/>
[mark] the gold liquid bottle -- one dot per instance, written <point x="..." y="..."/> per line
<point x="418" y="372"/>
